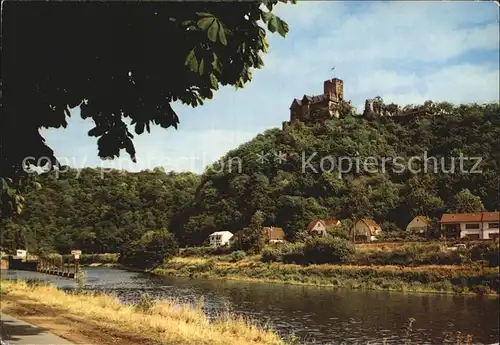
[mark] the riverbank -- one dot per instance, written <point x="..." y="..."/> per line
<point x="103" y="319"/>
<point x="458" y="279"/>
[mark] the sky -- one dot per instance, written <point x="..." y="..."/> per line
<point x="405" y="52"/>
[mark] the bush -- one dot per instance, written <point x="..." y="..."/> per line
<point x="414" y="254"/>
<point x="107" y="258"/>
<point x="485" y="251"/>
<point x="271" y="254"/>
<point x="152" y="249"/>
<point x="205" y="251"/>
<point x="325" y="250"/>
<point x="237" y="256"/>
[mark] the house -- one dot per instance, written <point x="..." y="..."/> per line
<point x="474" y="226"/>
<point x="491" y="225"/>
<point x="272" y="234"/>
<point x="269" y="234"/>
<point x="319" y="227"/>
<point x="366" y="230"/>
<point x="220" y="238"/>
<point x="419" y="225"/>
<point x="21" y="253"/>
<point x="312" y="109"/>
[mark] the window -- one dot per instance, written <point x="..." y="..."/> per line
<point x="493" y="225"/>
<point x="471" y="226"/>
<point x="472" y="236"/>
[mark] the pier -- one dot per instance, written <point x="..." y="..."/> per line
<point x="58" y="267"/>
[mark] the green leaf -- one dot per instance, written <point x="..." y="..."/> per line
<point x="204" y="14"/>
<point x="222" y="36"/>
<point x="205" y="23"/>
<point x="266" y="16"/>
<point x="282" y="27"/>
<point x="201" y="69"/>
<point x="213" y="31"/>
<point x="272" y="25"/>
<point x="191" y="61"/>
<point x="214" y="83"/>
<point x="216" y="64"/>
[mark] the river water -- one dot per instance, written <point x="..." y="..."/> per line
<point x="317" y="315"/>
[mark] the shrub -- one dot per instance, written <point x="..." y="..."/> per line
<point x="107" y="258"/>
<point x="322" y="250"/>
<point x="237" y="256"/>
<point x="485" y="251"/>
<point x="271" y="254"/>
<point x="145" y="303"/>
<point x="205" y="251"/>
<point x="152" y="249"/>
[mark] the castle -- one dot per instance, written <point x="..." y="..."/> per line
<point x="311" y="109"/>
<point x="314" y="109"/>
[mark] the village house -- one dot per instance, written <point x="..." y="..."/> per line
<point x="366" y="230"/>
<point x="312" y="109"/>
<point x="268" y="234"/>
<point x="474" y="226"/>
<point x="319" y="227"/>
<point x="220" y="238"/>
<point x="273" y="234"/>
<point x="419" y="225"/>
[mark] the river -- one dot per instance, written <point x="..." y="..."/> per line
<point x="318" y="315"/>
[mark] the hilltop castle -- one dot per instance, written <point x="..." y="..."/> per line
<point x="314" y="109"/>
<point x="311" y="109"/>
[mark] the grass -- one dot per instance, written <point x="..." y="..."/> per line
<point x="160" y="322"/>
<point x="429" y="278"/>
<point x="103" y="319"/>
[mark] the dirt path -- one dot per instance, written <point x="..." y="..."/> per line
<point x="71" y="327"/>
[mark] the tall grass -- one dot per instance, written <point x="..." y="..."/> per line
<point x="430" y="278"/>
<point x="164" y="322"/>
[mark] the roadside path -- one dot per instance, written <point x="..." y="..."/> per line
<point x="16" y="332"/>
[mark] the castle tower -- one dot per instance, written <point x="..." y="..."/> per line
<point x="334" y="89"/>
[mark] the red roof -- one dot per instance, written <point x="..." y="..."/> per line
<point x="469" y="217"/>
<point x="491" y="216"/>
<point x="330" y="222"/>
<point x="274" y="233"/>
<point x="372" y="225"/>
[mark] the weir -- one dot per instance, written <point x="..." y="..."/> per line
<point x="58" y="267"/>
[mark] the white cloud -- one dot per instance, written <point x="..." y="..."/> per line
<point x="405" y="52"/>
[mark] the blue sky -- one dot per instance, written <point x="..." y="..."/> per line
<point x="406" y="52"/>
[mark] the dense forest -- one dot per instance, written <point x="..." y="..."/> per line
<point x="79" y="209"/>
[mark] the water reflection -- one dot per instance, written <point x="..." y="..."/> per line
<point x="320" y="315"/>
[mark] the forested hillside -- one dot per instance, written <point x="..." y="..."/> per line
<point x="290" y="198"/>
<point x="97" y="212"/>
<point x="100" y="215"/>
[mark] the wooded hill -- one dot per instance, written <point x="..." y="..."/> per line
<point x="99" y="215"/>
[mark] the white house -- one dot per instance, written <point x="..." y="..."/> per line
<point x="476" y="226"/>
<point x="21" y="253"/>
<point x="220" y="238"/>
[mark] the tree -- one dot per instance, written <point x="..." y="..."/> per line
<point x="250" y="238"/>
<point x="466" y="202"/>
<point x="116" y="61"/>
<point x="151" y="250"/>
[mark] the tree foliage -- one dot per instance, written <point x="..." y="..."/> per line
<point x="122" y="64"/>
<point x="103" y="214"/>
<point x="291" y="196"/>
<point x="151" y="250"/>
